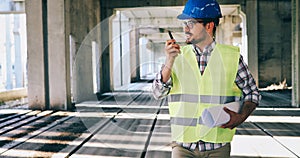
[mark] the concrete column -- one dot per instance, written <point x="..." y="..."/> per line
<point x="58" y="58"/>
<point x="295" y="53"/>
<point x="134" y="55"/>
<point x="35" y="49"/>
<point x="8" y="45"/>
<point x="116" y="53"/>
<point x="18" y="53"/>
<point x="252" y="30"/>
<point x="105" y="57"/>
<point x="125" y="40"/>
<point x="244" y="49"/>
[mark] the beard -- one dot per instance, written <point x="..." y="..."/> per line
<point x="188" y="42"/>
<point x="192" y="40"/>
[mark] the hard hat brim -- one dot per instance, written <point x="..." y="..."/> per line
<point x="183" y="17"/>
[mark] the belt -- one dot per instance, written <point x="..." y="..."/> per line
<point x="203" y="146"/>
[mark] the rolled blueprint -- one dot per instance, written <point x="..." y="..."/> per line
<point x="216" y="116"/>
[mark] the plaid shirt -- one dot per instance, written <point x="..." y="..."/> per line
<point x="244" y="80"/>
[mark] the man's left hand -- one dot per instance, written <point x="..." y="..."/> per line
<point x="235" y="119"/>
<point x="238" y="118"/>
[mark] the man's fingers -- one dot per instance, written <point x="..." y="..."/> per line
<point x="230" y="112"/>
<point x="172" y="49"/>
<point x="230" y="124"/>
<point x="171" y="41"/>
<point x="176" y="46"/>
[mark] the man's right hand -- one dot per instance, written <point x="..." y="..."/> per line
<point x="171" y="49"/>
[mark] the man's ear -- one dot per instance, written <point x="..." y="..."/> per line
<point x="210" y="26"/>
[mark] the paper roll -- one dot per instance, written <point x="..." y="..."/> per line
<point x="216" y="116"/>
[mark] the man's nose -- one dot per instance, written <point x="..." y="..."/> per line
<point x="186" y="29"/>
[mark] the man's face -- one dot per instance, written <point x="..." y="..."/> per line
<point x="195" y="31"/>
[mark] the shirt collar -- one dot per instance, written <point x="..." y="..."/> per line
<point x="207" y="50"/>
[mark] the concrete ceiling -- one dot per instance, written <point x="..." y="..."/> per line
<point x="154" y="22"/>
<point x="170" y="12"/>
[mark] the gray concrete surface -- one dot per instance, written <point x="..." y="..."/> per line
<point x="130" y="123"/>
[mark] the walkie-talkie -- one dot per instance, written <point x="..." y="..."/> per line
<point x="170" y="34"/>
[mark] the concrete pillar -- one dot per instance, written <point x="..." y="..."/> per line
<point x="35" y="48"/>
<point x="58" y="58"/>
<point x="18" y="53"/>
<point x="134" y="55"/>
<point x="121" y="50"/>
<point x="244" y="48"/>
<point x="295" y="53"/>
<point x="116" y="56"/>
<point x="252" y="30"/>
<point x="8" y="45"/>
<point x="47" y="61"/>
<point x="106" y="85"/>
<point x="125" y="40"/>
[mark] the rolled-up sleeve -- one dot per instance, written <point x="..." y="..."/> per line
<point x="246" y="83"/>
<point x="159" y="89"/>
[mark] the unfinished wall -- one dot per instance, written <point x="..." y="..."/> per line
<point x="274" y="35"/>
<point x="295" y="53"/>
<point x="82" y="17"/>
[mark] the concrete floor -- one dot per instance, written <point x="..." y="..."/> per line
<point x="130" y="123"/>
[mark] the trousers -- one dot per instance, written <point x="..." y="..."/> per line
<point x="181" y="152"/>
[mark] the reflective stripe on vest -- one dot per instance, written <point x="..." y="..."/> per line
<point x="191" y="98"/>
<point x="185" y="121"/>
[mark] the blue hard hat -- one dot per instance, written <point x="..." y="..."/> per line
<point x="201" y="9"/>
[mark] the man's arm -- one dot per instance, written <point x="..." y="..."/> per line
<point x="238" y="118"/>
<point x="159" y="89"/>
<point x="251" y="97"/>
<point x="162" y="83"/>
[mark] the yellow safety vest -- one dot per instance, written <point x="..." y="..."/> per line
<point x="192" y="93"/>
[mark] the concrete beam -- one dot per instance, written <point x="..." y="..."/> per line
<point x="295" y="53"/>
<point x="159" y="22"/>
<point x="138" y="3"/>
<point x="162" y="37"/>
<point x="35" y="60"/>
<point x="13" y="94"/>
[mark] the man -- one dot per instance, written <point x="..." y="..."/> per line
<point x="200" y="77"/>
